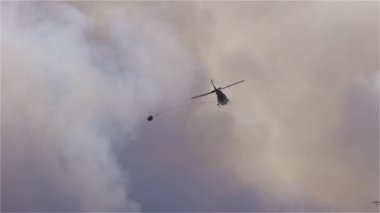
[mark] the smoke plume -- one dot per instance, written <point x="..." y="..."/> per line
<point x="80" y="78"/>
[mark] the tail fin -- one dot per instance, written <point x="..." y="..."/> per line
<point x="213" y="84"/>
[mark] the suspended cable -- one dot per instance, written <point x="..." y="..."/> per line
<point x="150" y="117"/>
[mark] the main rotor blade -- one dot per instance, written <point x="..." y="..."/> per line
<point x="203" y="94"/>
<point x="233" y="84"/>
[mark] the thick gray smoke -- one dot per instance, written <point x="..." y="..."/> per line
<point x="312" y="81"/>
<point x="80" y="78"/>
<point x="76" y="86"/>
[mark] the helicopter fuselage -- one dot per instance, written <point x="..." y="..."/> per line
<point x="222" y="98"/>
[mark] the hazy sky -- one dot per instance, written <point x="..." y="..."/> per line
<point x="78" y="80"/>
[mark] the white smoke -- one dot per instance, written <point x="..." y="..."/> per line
<point x="75" y="85"/>
<point x="79" y="78"/>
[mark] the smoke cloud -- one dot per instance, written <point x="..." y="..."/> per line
<point x="80" y="78"/>
<point x="76" y="85"/>
<point x="302" y="129"/>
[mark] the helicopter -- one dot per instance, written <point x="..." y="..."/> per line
<point x="222" y="98"/>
